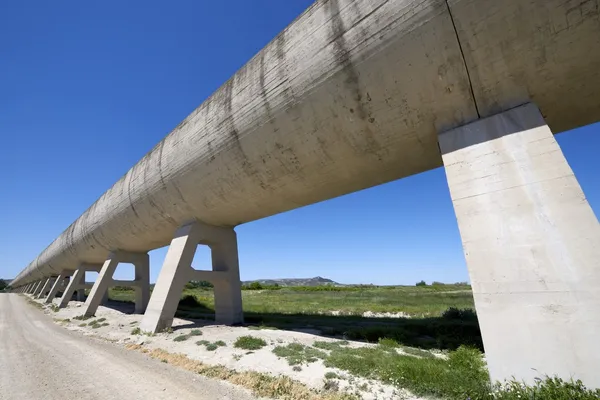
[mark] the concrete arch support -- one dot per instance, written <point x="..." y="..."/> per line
<point x="77" y="283"/>
<point x="59" y="284"/>
<point x="177" y="271"/>
<point x="38" y="288"/>
<point x="141" y="262"/>
<point x="46" y="288"/>
<point x="532" y="246"/>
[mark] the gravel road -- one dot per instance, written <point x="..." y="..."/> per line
<point x="41" y="360"/>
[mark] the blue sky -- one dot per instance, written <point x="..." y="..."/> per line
<point x="87" y="88"/>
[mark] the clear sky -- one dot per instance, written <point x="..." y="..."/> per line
<point x="87" y="88"/>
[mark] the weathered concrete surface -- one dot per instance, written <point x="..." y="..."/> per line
<point x="351" y="95"/>
<point x="177" y="271"/>
<point x="77" y="283"/>
<point x="141" y="282"/>
<point x="531" y="242"/>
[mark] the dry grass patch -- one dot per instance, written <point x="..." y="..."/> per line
<point x="277" y="387"/>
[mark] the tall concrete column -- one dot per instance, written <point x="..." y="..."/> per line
<point x="77" y="282"/>
<point x="46" y="287"/>
<point x="37" y="287"/>
<point x="177" y="271"/>
<point x="59" y="283"/>
<point x="141" y="262"/>
<point x="532" y="246"/>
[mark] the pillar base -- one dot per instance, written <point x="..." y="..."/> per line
<point x="177" y="271"/>
<point x="532" y="245"/>
<point x="105" y="279"/>
<point x="77" y="282"/>
<point x="59" y="283"/>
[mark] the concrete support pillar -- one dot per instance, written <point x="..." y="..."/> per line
<point x="532" y="246"/>
<point x="77" y="282"/>
<point x="141" y="283"/>
<point x="59" y="283"/>
<point x="37" y="288"/>
<point x="177" y="271"/>
<point x="46" y="287"/>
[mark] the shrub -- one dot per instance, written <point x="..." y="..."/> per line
<point x="196" y="332"/>
<point x="181" y="338"/>
<point x="548" y="388"/>
<point x="198" y="285"/>
<point x="422" y="283"/>
<point x="136" y="331"/>
<point x="249" y="343"/>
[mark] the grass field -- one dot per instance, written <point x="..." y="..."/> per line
<point x="417" y="301"/>
<point x="437" y="317"/>
<point x="338" y="312"/>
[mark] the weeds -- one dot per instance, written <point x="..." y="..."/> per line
<point x="330" y="345"/>
<point x="82" y="317"/>
<point x="181" y="338"/>
<point x="136" y="331"/>
<point x="249" y="343"/>
<point x="196" y="332"/>
<point x="297" y="354"/>
<point x="211" y="346"/>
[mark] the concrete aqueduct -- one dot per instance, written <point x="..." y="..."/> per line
<point x="356" y="93"/>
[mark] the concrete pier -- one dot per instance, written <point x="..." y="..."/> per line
<point x="59" y="284"/>
<point x="46" y="288"/>
<point x="532" y="246"/>
<point x="77" y="283"/>
<point x="141" y="283"/>
<point x="177" y="271"/>
<point x="37" y="288"/>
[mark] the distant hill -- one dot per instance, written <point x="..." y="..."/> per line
<point x="316" y="281"/>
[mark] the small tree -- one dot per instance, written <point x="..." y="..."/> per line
<point x="3" y="284"/>
<point x="422" y="283"/>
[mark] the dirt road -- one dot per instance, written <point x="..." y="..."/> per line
<point x="40" y="360"/>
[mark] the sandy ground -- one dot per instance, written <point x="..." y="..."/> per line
<point x="122" y="324"/>
<point x="40" y="360"/>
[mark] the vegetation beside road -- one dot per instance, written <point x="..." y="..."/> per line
<point x="440" y="315"/>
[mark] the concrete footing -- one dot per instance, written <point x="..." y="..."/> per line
<point x="105" y="280"/>
<point x="177" y="271"/>
<point x="77" y="282"/>
<point x="532" y="246"/>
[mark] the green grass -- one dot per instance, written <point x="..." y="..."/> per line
<point x="136" y="331"/>
<point x="430" y="300"/>
<point x="181" y="338"/>
<point x="330" y="345"/>
<point x="293" y="308"/>
<point x="249" y="343"/>
<point x="297" y="354"/>
<point x="196" y="332"/>
<point x="211" y="346"/>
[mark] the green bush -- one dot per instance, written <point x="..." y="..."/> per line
<point x="181" y="338"/>
<point x="198" y="285"/>
<point x="548" y="388"/>
<point x="422" y="283"/>
<point x="249" y="343"/>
